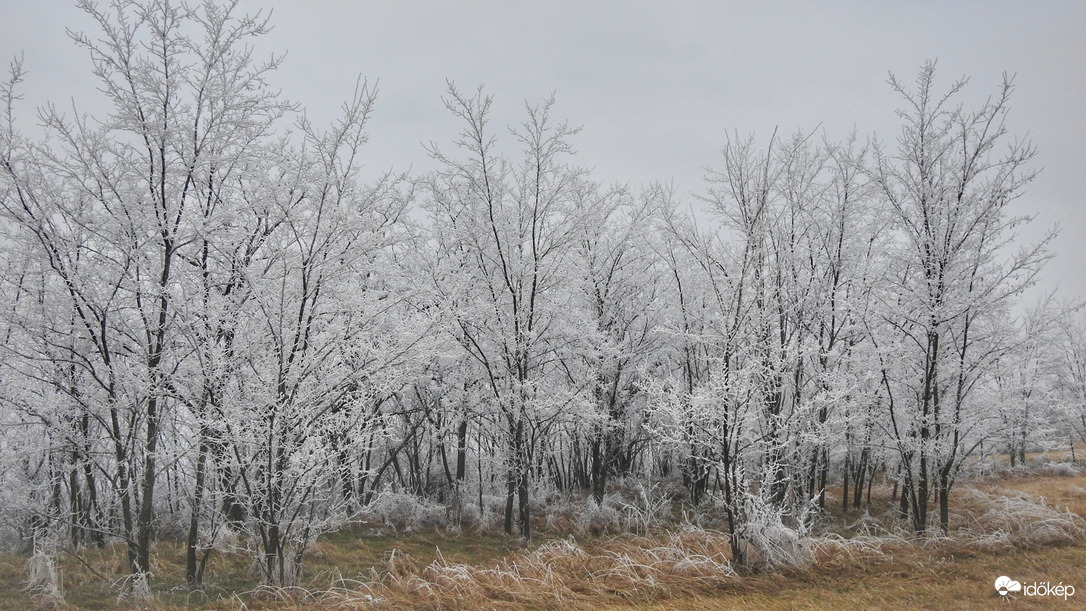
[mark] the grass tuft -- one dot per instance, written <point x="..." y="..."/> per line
<point x="1016" y="519"/>
<point x="43" y="582"/>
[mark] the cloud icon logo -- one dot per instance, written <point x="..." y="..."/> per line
<point x="1005" y="585"/>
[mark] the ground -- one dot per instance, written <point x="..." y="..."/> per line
<point x="680" y="570"/>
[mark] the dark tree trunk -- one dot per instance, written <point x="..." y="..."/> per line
<point x="193" y="572"/>
<point x="599" y="470"/>
<point x="461" y="450"/>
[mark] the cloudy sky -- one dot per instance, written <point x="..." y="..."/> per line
<point x="656" y="86"/>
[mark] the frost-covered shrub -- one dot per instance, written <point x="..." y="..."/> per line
<point x="406" y="512"/>
<point x="486" y="519"/>
<point x="1049" y="468"/>
<point x="597" y="520"/>
<point x="563" y="515"/>
<point x="981" y="468"/>
<point x="136" y="591"/>
<point x="222" y="538"/>
<point x="865" y="524"/>
<point x="769" y="542"/>
<point x="43" y="581"/>
<point x="171" y="526"/>
<point x="1059" y="469"/>
<point x="711" y="513"/>
<point x="648" y="510"/>
<point x="10" y="538"/>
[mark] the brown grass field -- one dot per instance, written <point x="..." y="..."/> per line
<point x="1030" y="528"/>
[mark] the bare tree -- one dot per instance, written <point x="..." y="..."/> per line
<point x="623" y="285"/>
<point x="948" y="189"/>
<point x="326" y="339"/>
<point x="511" y="225"/>
<point x="115" y="209"/>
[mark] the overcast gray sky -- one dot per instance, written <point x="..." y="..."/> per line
<point x="656" y="86"/>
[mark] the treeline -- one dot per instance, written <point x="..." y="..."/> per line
<point x="212" y="324"/>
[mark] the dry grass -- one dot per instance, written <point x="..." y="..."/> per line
<point x="562" y="574"/>
<point x="1029" y="528"/>
<point x="915" y="579"/>
<point x="997" y="521"/>
<point x="557" y="574"/>
<point x="999" y="532"/>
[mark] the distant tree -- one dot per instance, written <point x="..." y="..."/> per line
<point x="623" y="284"/>
<point x="1025" y="381"/>
<point x="1071" y="375"/>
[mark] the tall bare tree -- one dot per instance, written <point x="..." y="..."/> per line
<point x="948" y="187"/>
<point x="511" y="225"/>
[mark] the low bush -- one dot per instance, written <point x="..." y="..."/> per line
<point x="406" y="512"/>
<point x="43" y="581"/>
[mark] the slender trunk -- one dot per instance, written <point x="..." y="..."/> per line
<point x="862" y="471"/>
<point x="523" y="474"/>
<point x="479" y="471"/>
<point x="944" y="505"/>
<point x="930" y="413"/>
<point x="124" y="485"/>
<point x="510" y="492"/>
<point x="906" y="491"/>
<point x="599" y="472"/>
<point x="923" y="494"/>
<point x="823" y="477"/>
<point x="193" y="574"/>
<point x="870" y="482"/>
<point x="96" y="534"/>
<point x="147" y="490"/>
<point x="844" y="485"/>
<point x="512" y="471"/>
<point x="461" y="451"/>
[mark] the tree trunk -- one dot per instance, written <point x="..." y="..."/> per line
<point x="523" y="474"/>
<point x="461" y="450"/>
<point x="862" y="472"/>
<point x="599" y="470"/>
<point x="512" y="471"/>
<point x="193" y="574"/>
<point x="844" y="485"/>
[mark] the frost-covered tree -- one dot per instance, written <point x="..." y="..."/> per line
<point x="948" y="187"/>
<point x="113" y="208"/>
<point x="1024" y="383"/>
<point x="201" y="295"/>
<point x="727" y="406"/>
<point x="325" y="336"/>
<point x="1071" y="375"/>
<point x="507" y="229"/>
<point x="622" y="287"/>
